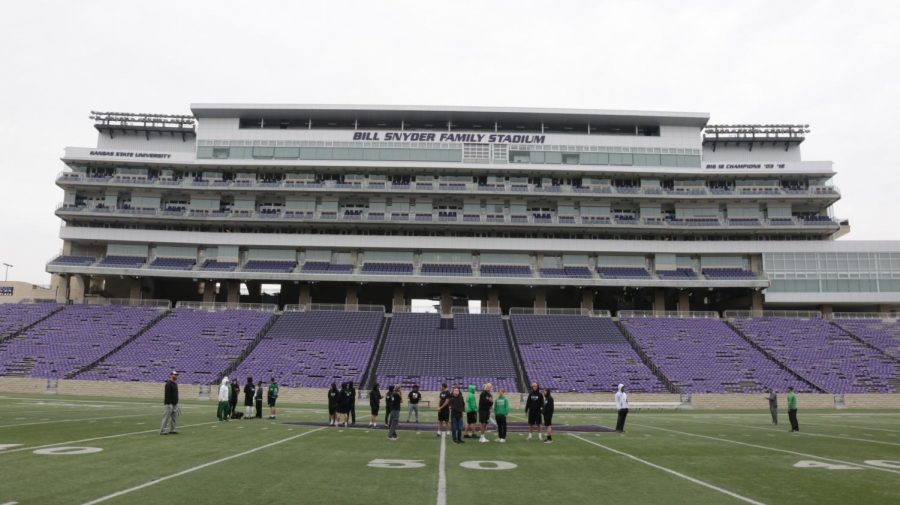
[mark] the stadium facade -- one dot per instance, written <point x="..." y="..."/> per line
<point x="598" y="209"/>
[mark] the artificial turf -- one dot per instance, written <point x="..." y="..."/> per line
<point x="665" y="457"/>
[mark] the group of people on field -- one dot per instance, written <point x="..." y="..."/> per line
<point x="230" y="392"/>
<point x="342" y="404"/>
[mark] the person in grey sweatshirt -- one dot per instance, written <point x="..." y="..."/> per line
<point x="773" y="405"/>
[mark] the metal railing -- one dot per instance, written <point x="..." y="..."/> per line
<point x="132" y="302"/>
<point x="884" y="316"/>
<point x="686" y="314"/>
<point x="784" y="314"/>
<point x="538" y="311"/>
<point x="218" y="306"/>
<point x="481" y="310"/>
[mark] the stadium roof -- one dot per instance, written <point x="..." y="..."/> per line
<point x="446" y="113"/>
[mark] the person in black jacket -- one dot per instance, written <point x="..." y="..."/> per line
<point x="485" y="404"/>
<point x="352" y="406"/>
<point x="548" y="415"/>
<point x="170" y="400"/>
<point x="387" y="407"/>
<point x="457" y="410"/>
<point x="343" y="406"/>
<point x="333" y="397"/>
<point x="393" y="400"/>
<point x="233" y="396"/>
<point x="249" y="392"/>
<point x="259" y="396"/>
<point x="374" y="404"/>
<point x="533" y="407"/>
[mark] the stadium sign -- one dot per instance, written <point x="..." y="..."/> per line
<point x="130" y="154"/>
<point x="489" y="138"/>
<point x="743" y="166"/>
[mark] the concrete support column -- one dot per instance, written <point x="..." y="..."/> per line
<point x="756" y="263"/>
<point x="684" y="301"/>
<point x="399" y="298"/>
<point x="493" y="301"/>
<point x="234" y="292"/>
<point x="209" y="291"/>
<point x="446" y="301"/>
<point x="826" y="309"/>
<point x="352" y="297"/>
<point x="659" y="300"/>
<point x="60" y="285"/>
<point x="134" y="289"/>
<point x="587" y="299"/>
<point x="540" y="301"/>
<point x="756" y="301"/>
<point x="305" y="294"/>
<point x="887" y="308"/>
<point x="76" y="288"/>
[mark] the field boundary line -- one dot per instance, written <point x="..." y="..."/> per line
<point x="854" y="426"/>
<point x="105" y="437"/>
<point x="767" y="448"/>
<point x="673" y="472"/>
<point x="442" y="474"/>
<point x="71" y="420"/>
<point x="199" y="467"/>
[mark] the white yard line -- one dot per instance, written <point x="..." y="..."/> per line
<point x="673" y="472"/>
<point x="854" y="426"/>
<point x="767" y="448"/>
<point x="198" y="467"/>
<point x="71" y="420"/>
<point x="442" y="475"/>
<point x="155" y="430"/>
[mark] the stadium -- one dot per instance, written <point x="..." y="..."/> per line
<point x="696" y="263"/>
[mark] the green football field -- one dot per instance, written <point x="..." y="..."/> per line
<point x="91" y="450"/>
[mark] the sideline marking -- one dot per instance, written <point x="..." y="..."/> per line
<point x="764" y="447"/>
<point x="199" y="467"/>
<point x="442" y="474"/>
<point x="65" y="451"/>
<point x="71" y="420"/>
<point x="99" y="438"/>
<point x="673" y="472"/>
<point x="856" y="427"/>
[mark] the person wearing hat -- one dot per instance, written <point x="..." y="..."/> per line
<point x="224" y="393"/>
<point x="621" y="408"/>
<point x="170" y="400"/>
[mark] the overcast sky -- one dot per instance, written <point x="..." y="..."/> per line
<point x="833" y="65"/>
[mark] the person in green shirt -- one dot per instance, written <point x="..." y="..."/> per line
<point x="501" y="410"/>
<point x="792" y="409"/>
<point x="272" y="397"/>
<point x="471" y="412"/>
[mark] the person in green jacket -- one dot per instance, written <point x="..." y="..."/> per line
<point x="471" y="412"/>
<point x="792" y="409"/>
<point x="501" y="410"/>
<point x="272" y="397"/>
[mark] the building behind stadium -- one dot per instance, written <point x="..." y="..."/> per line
<point x="512" y="207"/>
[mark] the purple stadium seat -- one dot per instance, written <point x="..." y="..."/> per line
<point x="882" y="335"/>
<point x="387" y="268"/>
<point x="269" y="266"/>
<point x="505" y="271"/>
<point x="173" y="263"/>
<point x="15" y="316"/>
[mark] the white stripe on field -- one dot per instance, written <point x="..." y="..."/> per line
<point x="673" y="472"/>
<point x="442" y="474"/>
<point x="71" y="420"/>
<point x="156" y="430"/>
<point x="767" y="448"/>
<point x="198" y="467"/>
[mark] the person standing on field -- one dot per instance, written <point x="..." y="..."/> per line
<point x="249" y="392"/>
<point x="393" y="400"/>
<point x="471" y="411"/>
<point x="533" y="407"/>
<point x="374" y="404"/>
<point x="443" y="408"/>
<point x="457" y="409"/>
<point x="233" y="396"/>
<point x="224" y="395"/>
<point x="352" y="405"/>
<point x="259" y="395"/>
<point x="485" y="404"/>
<point x="792" y="409"/>
<point x="272" y="397"/>
<point x="773" y="405"/>
<point x="548" y="415"/>
<point x="621" y="408"/>
<point x="414" y="397"/>
<point x="170" y="400"/>
<point x="501" y="410"/>
<point x="333" y="394"/>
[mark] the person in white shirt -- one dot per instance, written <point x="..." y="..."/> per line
<point x="621" y="408"/>
<point x="224" y="410"/>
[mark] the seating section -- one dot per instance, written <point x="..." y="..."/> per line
<point x="15" y="316"/>
<point x="707" y="356"/>
<point x="324" y="267"/>
<point x="70" y="339"/>
<point x="387" y="268"/>
<point x="882" y="335"/>
<point x="728" y="273"/>
<point x="73" y="260"/>
<point x="448" y="269"/>
<point x="570" y="272"/>
<point x="269" y="266"/>
<point x="122" y="262"/>
<point x="680" y="274"/>
<point x="823" y="354"/>
<point x="623" y="272"/>
<point x="419" y="351"/>
<point x="221" y="266"/>
<point x="505" y="271"/>
<point x="199" y="344"/>
<point x="314" y="349"/>
<point x="580" y="354"/>
<point x="173" y="263"/>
